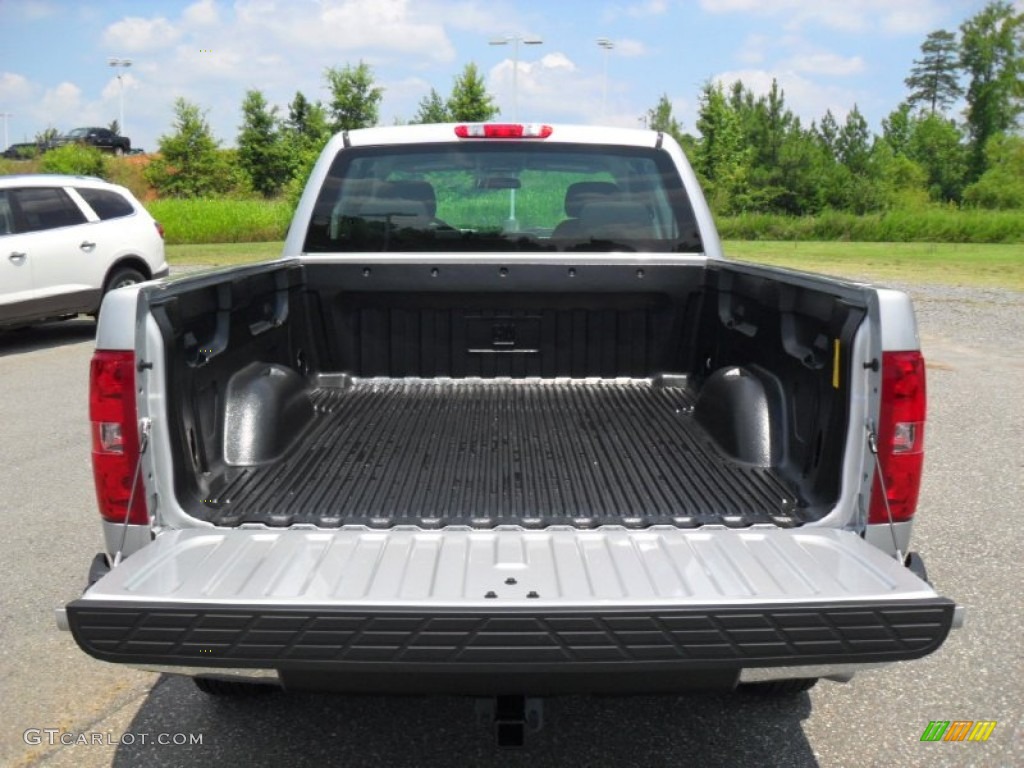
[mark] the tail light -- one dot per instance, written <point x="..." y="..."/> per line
<point x="900" y="437"/>
<point x="159" y="228"/>
<point x="115" y="437"/>
<point x="503" y="131"/>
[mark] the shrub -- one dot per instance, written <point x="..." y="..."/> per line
<point x="937" y="224"/>
<point x="190" y="164"/>
<point x="75" y="159"/>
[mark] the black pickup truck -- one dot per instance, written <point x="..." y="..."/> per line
<point x="101" y="138"/>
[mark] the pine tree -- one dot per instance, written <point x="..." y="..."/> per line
<point x="190" y="164"/>
<point x="304" y="135"/>
<point x="897" y="128"/>
<point x="298" y="113"/>
<point x="722" y="157"/>
<point x="660" y="118"/>
<point x="432" y="109"/>
<point x="853" y="144"/>
<point x="470" y="100"/>
<point x="933" y="81"/>
<point x="260" y="148"/>
<point x="828" y="132"/>
<point x="307" y="121"/>
<point x="355" y="100"/>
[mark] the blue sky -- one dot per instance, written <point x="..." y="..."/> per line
<point x="826" y="54"/>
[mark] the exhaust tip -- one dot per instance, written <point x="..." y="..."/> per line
<point x="61" y="615"/>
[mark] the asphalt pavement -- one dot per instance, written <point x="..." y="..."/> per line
<point x="970" y="530"/>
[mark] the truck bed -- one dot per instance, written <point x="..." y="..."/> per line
<point x="329" y="394"/>
<point x="435" y="452"/>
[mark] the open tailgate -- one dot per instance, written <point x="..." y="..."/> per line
<point x="308" y="599"/>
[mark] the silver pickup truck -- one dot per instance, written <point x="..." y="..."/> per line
<point x="503" y="422"/>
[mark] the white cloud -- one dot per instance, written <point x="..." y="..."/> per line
<point x="555" y="61"/>
<point x="13" y="87"/>
<point x="824" y="64"/>
<point x="112" y="90"/>
<point x="555" y="88"/>
<point x="806" y="98"/>
<point x="62" y="105"/>
<point x="340" y="26"/>
<point x="470" y="16"/>
<point x="903" y="17"/>
<point x="211" y="49"/>
<point x="406" y="91"/>
<point x="201" y="14"/>
<point x="134" y="34"/>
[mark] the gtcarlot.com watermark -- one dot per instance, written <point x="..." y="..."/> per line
<point x="53" y="737"/>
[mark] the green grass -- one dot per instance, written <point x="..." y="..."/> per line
<point x="937" y="224"/>
<point x="222" y="254"/>
<point x="539" y="203"/>
<point x="221" y="220"/>
<point x="995" y="266"/>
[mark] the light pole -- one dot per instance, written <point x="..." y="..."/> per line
<point x="120" y="65"/>
<point x="512" y="225"/>
<point x="515" y="40"/>
<point x="6" y="115"/>
<point x="607" y="45"/>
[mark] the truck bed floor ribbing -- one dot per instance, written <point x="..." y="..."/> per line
<point x="492" y="452"/>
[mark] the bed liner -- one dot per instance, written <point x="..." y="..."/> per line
<point x="484" y="453"/>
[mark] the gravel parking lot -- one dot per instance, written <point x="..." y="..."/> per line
<point x="969" y="531"/>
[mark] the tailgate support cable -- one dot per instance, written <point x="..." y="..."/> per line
<point x="873" y="445"/>
<point x="144" y="427"/>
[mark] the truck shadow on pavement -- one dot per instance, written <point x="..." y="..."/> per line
<point x="313" y="729"/>
<point x="37" y="337"/>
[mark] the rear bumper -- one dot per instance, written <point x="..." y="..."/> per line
<point x="511" y="651"/>
<point x="510" y="611"/>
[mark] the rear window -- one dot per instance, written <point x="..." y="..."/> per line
<point x="6" y="215"/>
<point x="507" y="196"/>
<point x="46" y="208"/>
<point x="107" y="204"/>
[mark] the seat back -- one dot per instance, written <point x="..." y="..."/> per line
<point x="419" y="191"/>
<point x="616" y="220"/>
<point x="576" y="197"/>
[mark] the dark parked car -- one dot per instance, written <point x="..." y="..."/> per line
<point x="21" y="151"/>
<point x="101" y="138"/>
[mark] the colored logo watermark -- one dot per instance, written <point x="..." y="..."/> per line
<point x="958" y="730"/>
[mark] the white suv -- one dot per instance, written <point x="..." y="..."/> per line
<point x="67" y="240"/>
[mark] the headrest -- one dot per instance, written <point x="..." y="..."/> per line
<point x="418" y="191"/>
<point x="583" y="192"/>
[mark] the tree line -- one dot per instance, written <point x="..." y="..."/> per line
<point x="276" y="151"/>
<point x="752" y="153"/>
